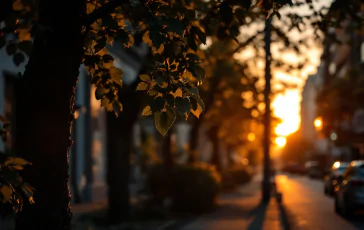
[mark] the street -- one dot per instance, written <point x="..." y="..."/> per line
<point x="304" y="207"/>
<point x="309" y="208"/>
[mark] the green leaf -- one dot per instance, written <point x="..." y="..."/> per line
<point x="190" y="14"/>
<point x="199" y="101"/>
<point x="175" y="26"/>
<point x="192" y="43"/>
<point x="107" y="104"/>
<point x="194" y="91"/>
<point x="200" y="34"/>
<point x="170" y="100"/>
<point x="116" y="75"/>
<point x="142" y="86"/>
<point x="122" y="36"/>
<point x="117" y="107"/>
<point x="100" y="92"/>
<point x="164" y="120"/>
<point x="183" y="105"/>
<point x="157" y="104"/>
<point x="100" y="44"/>
<point x="156" y="36"/>
<point x="11" y="48"/>
<point x="198" y="72"/>
<point x="107" y="58"/>
<point x="147" y="111"/>
<point x="192" y="57"/>
<point x="18" y="58"/>
<point x="26" y="47"/>
<point x="144" y="77"/>
<point x="109" y="22"/>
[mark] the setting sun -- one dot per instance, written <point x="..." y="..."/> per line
<point x="281" y="141"/>
<point x="286" y="107"/>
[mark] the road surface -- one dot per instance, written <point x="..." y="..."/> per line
<point x="309" y="208"/>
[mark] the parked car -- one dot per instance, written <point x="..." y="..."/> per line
<point x="295" y="168"/>
<point x="334" y="176"/>
<point x="314" y="169"/>
<point x="349" y="194"/>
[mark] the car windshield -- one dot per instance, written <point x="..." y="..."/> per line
<point x="341" y="170"/>
<point x="360" y="171"/>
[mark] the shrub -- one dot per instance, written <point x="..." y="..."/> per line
<point x="240" y="175"/>
<point x="192" y="188"/>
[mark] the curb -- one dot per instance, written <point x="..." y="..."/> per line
<point x="175" y="225"/>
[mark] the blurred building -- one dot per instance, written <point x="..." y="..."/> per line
<point x="342" y="60"/>
<point x="308" y="108"/>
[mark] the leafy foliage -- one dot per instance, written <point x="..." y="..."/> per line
<point x="174" y="30"/>
<point x="13" y="190"/>
<point x="193" y="188"/>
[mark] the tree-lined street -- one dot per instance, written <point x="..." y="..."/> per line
<point x="309" y="208"/>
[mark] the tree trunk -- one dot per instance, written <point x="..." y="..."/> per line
<point x="73" y="177"/>
<point x="167" y="152"/>
<point x="43" y="118"/>
<point x="231" y="159"/>
<point x="120" y="142"/>
<point x="194" y="138"/>
<point x="215" y="159"/>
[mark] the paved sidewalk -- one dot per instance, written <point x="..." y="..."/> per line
<point x="242" y="211"/>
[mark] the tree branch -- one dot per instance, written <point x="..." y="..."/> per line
<point x="107" y="8"/>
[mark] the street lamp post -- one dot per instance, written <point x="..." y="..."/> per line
<point x="266" y="183"/>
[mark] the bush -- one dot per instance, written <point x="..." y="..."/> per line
<point x="239" y="175"/>
<point x="191" y="188"/>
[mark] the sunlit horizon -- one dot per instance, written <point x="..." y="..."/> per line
<point x="286" y="107"/>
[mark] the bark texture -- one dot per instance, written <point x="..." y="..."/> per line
<point x="120" y="143"/>
<point x="44" y="108"/>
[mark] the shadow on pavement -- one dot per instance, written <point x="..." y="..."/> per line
<point x="258" y="214"/>
<point x="357" y="221"/>
<point x="285" y="222"/>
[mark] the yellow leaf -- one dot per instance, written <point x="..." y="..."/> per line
<point x="90" y="7"/>
<point x="178" y="93"/>
<point x="20" y="161"/>
<point x="24" y="34"/>
<point x="17" y="5"/>
<point x="142" y="86"/>
<point x="6" y="193"/>
<point x="198" y="111"/>
<point x="147" y="111"/>
<point x="102" y="52"/>
<point x="144" y="77"/>
<point x="146" y="39"/>
<point x="16" y="167"/>
<point x="108" y="65"/>
<point x="164" y="85"/>
<point x="109" y="39"/>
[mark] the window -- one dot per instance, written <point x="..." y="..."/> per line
<point x="362" y="52"/>
<point x="332" y="68"/>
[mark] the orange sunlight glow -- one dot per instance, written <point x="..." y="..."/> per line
<point x="281" y="141"/>
<point x="287" y="107"/>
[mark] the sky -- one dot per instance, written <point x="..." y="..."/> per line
<point x="286" y="105"/>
